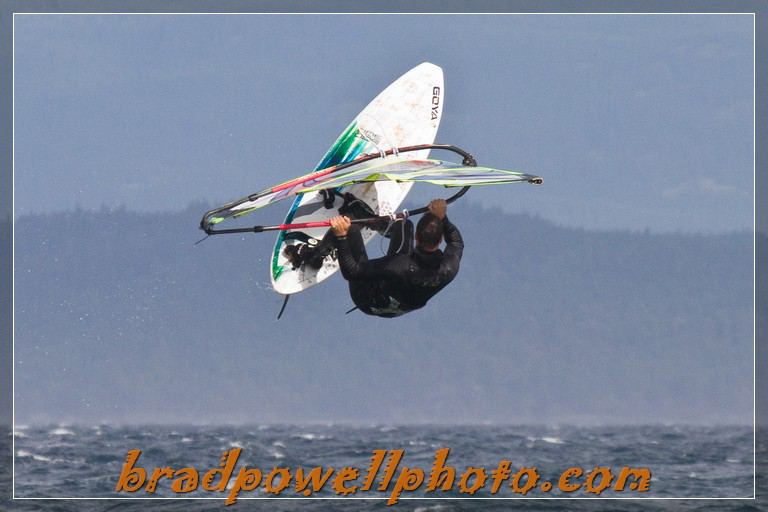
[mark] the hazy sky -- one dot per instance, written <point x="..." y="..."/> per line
<point x="634" y="121"/>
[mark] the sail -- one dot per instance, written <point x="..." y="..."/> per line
<point x="436" y="172"/>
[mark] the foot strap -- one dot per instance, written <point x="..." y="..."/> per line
<point x="355" y="208"/>
<point x="329" y="197"/>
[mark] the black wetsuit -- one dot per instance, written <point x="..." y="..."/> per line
<point x="403" y="280"/>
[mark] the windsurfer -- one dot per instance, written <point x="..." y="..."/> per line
<point x="409" y="275"/>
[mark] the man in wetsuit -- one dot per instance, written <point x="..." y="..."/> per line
<point x="407" y="277"/>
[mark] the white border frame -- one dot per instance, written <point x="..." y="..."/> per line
<point x="754" y="249"/>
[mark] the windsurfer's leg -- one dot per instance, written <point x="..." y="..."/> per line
<point x="327" y="244"/>
<point x="361" y="293"/>
<point x="315" y="256"/>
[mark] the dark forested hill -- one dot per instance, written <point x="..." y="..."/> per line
<point x="120" y="317"/>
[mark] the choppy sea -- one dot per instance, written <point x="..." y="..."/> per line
<point x="69" y="461"/>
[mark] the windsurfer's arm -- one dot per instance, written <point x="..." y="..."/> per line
<point x="340" y="226"/>
<point x="454" y="245"/>
<point x="453" y="241"/>
<point x="353" y="268"/>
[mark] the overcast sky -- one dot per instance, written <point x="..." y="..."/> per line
<point x="634" y="121"/>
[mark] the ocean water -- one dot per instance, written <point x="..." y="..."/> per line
<point x="56" y="461"/>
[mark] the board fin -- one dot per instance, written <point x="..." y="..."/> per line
<point x="285" y="303"/>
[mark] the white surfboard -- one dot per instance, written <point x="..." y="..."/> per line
<point x="406" y="113"/>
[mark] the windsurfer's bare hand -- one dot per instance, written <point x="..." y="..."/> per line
<point x="340" y="225"/>
<point x="438" y="207"/>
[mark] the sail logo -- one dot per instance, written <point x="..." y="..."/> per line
<point x="435" y="102"/>
<point x="369" y="135"/>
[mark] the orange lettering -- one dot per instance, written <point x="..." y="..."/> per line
<point x="345" y="475"/>
<point x="157" y="474"/>
<point x="186" y="480"/>
<point x="500" y="474"/>
<point x="409" y="480"/>
<point x="479" y="480"/>
<point x="564" y="484"/>
<point x="641" y="479"/>
<point x="373" y="469"/>
<point x="315" y="476"/>
<point x="394" y="460"/>
<point x="227" y="465"/>
<point x="247" y="480"/>
<point x="131" y="479"/>
<point x="283" y="481"/>
<point x="605" y="480"/>
<point x="532" y="476"/>
<point x="441" y="475"/>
